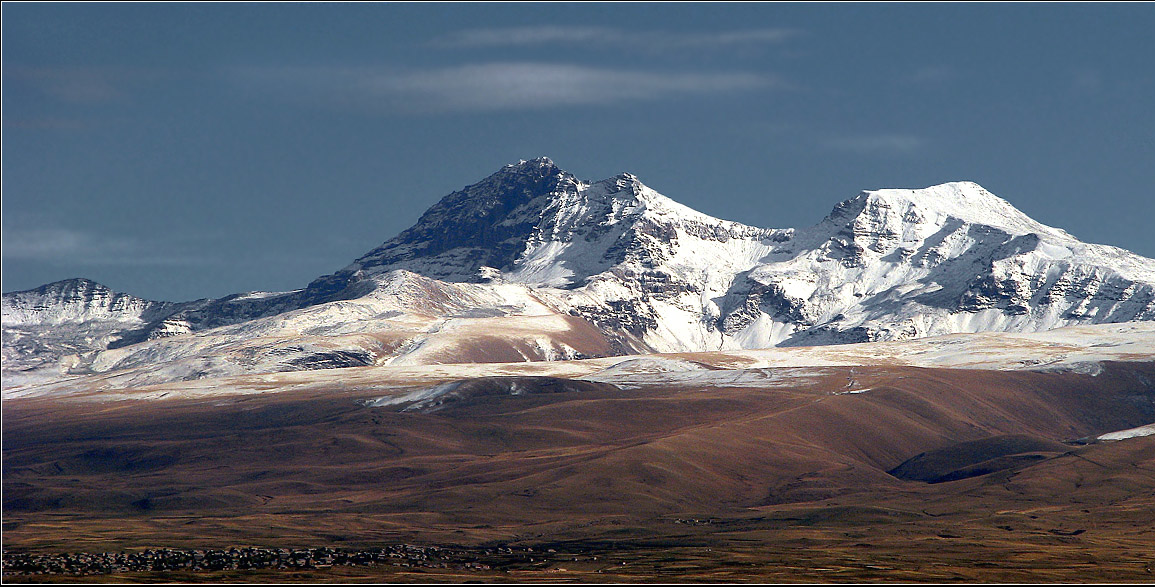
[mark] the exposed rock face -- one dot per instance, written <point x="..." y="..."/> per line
<point x="646" y="272"/>
<point x="488" y="224"/>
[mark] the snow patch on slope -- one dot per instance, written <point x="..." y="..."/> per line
<point x="1139" y="432"/>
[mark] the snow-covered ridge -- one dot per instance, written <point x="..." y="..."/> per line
<point x="532" y="262"/>
<point x="962" y="200"/>
<point x="75" y="300"/>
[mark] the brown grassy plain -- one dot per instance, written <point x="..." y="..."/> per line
<point x="665" y="483"/>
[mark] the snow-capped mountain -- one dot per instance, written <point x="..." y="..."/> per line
<point x="893" y="264"/>
<point x="533" y="264"/>
<point x="537" y="224"/>
<point x="72" y="317"/>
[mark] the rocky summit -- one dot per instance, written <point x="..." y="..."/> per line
<point x="532" y="263"/>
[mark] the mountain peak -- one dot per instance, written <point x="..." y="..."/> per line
<point x="933" y="207"/>
<point x="68" y="287"/>
<point x="525" y="217"/>
<point x="622" y="183"/>
<point x="958" y="198"/>
<point x="538" y="165"/>
<point x="75" y="300"/>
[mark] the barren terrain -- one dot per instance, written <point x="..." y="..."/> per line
<point x="801" y="473"/>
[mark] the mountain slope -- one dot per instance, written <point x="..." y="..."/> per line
<point x="57" y="325"/>
<point x="892" y="264"/>
<point x="535" y="264"/>
<point x="534" y="223"/>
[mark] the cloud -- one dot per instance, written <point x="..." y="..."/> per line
<point x="500" y="86"/>
<point x="598" y="37"/>
<point x="63" y="245"/>
<point x="883" y="144"/>
<point x="522" y="36"/>
<point x="79" y="85"/>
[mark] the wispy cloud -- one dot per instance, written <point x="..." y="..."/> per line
<point x="500" y="86"/>
<point x="598" y="37"/>
<point x="65" y="245"/>
<point x="81" y="85"/>
<point x="882" y="144"/>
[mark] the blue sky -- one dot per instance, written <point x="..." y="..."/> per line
<point x="195" y="150"/>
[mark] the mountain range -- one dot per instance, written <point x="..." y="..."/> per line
<point x="534" y="264"/>
<point x="565" y="380"/>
